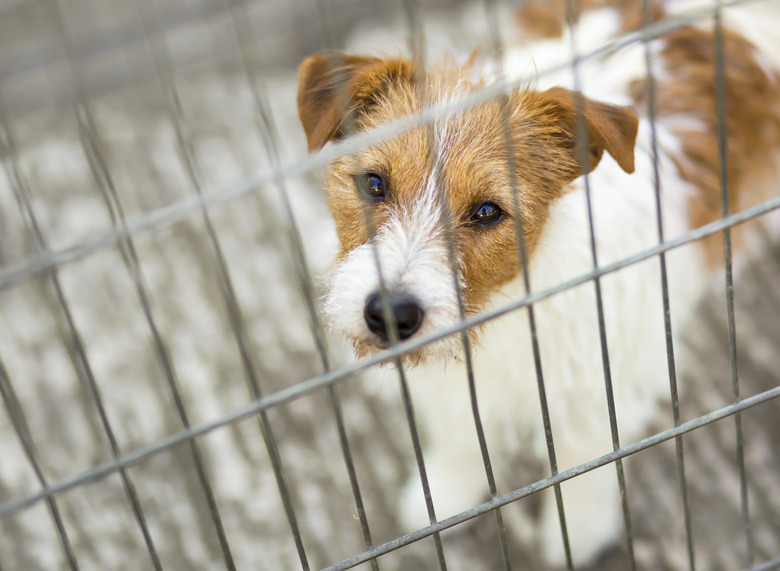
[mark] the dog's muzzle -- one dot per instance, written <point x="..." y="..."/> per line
<point x="405" y="311"/>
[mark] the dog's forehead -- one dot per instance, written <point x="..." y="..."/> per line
<point x="459" y="153"/>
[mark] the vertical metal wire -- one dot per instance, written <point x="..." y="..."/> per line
<point x="79" y="357"/>
<point x="498" y="50"/>
<point x="19" y="422"/>
<point x="101" y="173"/>
<point x="418" y="455"/>
<point x="582" y="136"/>
<point x="652" y="116"/>
<point x="720" y="98"/>
<point x="269" y="136"/>
<point x="434" y="162"/>
<point x="406" y="396"/>
<point x="447" y="225"/>
<point x="77" y="350"/>
<point x="415" y="39"/>
<point x="348" y="127"/>
<point x="394" y="338"/>
<point x="464" y="335"/>
<point x="162" y="66"/>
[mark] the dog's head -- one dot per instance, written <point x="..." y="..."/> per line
<point x="433" y="208"/>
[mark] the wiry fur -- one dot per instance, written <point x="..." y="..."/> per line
<point x="461" y="162"/>
<point x="412" y="254"/>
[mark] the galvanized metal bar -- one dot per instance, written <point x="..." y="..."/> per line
<point x="349" y="128"/>
<point x="309" y="386"/>
<point x="154" y="40"/>
<point x="22" y="429"/>
<point x="98" y="49"/>
<point x="76" y="349"/>
<point x="652" y="109"/>
<point x="415" y="39"/>
<point x="268" y="134"/>
<point x="498" y="49"/>
<point x="720" y="97"/>
<point x="293" y="393"/>
<point x="582" y="135"/>
<point x="546" y="483"/>
<point x="768" y="566"/>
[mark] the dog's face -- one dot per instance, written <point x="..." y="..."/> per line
<point x="434" y="206"/>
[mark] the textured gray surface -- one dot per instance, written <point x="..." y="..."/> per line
<point x="40" y="365"/>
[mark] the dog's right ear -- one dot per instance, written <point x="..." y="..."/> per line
<point x="334" y="87"/>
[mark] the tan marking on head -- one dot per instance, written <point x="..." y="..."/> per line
<point x="752" y="121"/>
<point x="473" y="168"/>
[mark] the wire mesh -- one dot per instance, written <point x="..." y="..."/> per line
<point x="43" y="261"/>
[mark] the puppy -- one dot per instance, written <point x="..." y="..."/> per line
<point x="449" y="211"/>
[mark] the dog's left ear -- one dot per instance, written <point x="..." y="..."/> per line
<point x="609" y="127"/>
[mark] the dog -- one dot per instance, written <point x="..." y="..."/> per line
<point x="438" y="223"/>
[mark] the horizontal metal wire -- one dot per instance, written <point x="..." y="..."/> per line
<point x="582" y="131"/>
<point x="768" y="566"/>
<point x="328" y="379"/>
<point x="520" y="493"/>
<point x="652" y="113"/>
<point x="723" y="160"/>
<point x="180" y="210"/>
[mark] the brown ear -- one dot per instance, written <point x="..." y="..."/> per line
<point x="334" y="86"/>
<point x="609" y="127"/>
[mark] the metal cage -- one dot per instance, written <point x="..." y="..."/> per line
<point x="169" y="397"/>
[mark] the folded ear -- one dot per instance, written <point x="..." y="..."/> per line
<point x="609" y="127"/>
<point x="333" y="87"/>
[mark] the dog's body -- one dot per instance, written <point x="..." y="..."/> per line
<point x="389" y="201"/>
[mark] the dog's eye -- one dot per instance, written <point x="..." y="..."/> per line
<point x="371" y="185"/>
<point x="487" y="213"/>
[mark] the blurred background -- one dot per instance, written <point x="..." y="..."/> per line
<point x="117" y="114"/>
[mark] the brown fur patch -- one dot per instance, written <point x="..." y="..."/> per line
<point x="548" y="19"/>
<point x="473" y="170"/>
<point x="752" y="120"/>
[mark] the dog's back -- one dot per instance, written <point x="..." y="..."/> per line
<point x="706" y="79"/>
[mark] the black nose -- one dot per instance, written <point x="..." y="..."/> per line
<point x="405" y="311"/>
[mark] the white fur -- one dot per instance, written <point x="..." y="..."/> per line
<point x="414" y="258"/>
<point x="412" y="254"/>
<point x="568" y="333"/>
